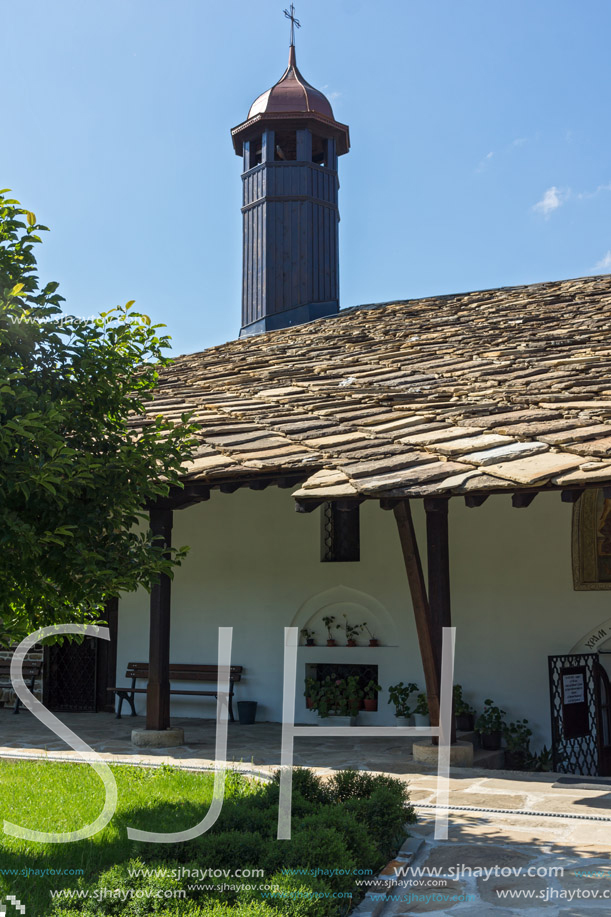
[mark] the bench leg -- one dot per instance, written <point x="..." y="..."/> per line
<point x="125" y="695"/>
<point x="230" y="705"/>
<point x="17" y="705"/>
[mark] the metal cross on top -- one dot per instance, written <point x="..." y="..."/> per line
<point x="290" y="14"/>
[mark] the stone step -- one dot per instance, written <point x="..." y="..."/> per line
<point x="472" y="737"/>
<point x="482" y="757"/>
<point x="489" y="760"/>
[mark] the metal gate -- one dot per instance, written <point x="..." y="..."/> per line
<point x="575" y="704"/>
<point x="70" y="675"/>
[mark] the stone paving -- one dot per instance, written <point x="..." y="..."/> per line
<point x="569" y="824"/>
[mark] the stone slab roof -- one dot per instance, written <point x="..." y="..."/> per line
<point x="478" y="392"/>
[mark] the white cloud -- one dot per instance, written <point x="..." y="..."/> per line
<point x="605" y="262"/>
<point x="484" y="161"/>
<point x="519" y="141"/>
<point x="586" y="195"/>
<point x="552" y="199"/>
<point x="332" y="94"/>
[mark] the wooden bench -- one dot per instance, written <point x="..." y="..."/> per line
<point x="30" y="672"/>
<point x="140" y="671"/>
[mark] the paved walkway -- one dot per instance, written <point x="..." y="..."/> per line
<point x="511" y="842"/>
<point x="541" y="820"/>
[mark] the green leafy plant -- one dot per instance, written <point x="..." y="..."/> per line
<point x="400" y="695"/>
<point x="308" y="635"/>
<point x="371" y="689"/>
<point x="352" y="631"/>
<point x="517" y="736"/>
<point x="329" y="622"/>
<point x="544" y="761"/>
<point x="422" y="707"/>
<point x="461" y="707"/>
<point x="491" y="719"/>
<point x="312" y="689"/>
<point x="338" y="696"/>
<point x="75" y="470"/>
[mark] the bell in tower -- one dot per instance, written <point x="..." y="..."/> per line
<point x="289" y="143"/>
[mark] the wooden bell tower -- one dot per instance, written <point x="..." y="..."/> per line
<point x="290" y="143"/>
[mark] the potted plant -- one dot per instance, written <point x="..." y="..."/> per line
<point x="464" y="712"/>
<point x="517" y="739"/>
<point x="399" y="695"/>
<point x="352" y="631"/>
<point x="308" y="636"/>
<point x="544" y="761"/>
<point x="370" y="700"/>
<point x="329" y="622"/>
<point x="338" y="700"/>
<point x="490" y="725"/>
<point x="373" y="641"/>
<point x="421" y="713"/>
<point x="312" y="687"/>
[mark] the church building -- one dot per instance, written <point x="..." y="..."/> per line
<point x="392" y="468"/>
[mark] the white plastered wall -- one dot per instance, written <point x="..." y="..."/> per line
<point x="255" y="564"/>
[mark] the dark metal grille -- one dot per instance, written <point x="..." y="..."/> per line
<point x="574" y="755"/>
<point x="340" y="534"/>
<point x="70" y="676"/>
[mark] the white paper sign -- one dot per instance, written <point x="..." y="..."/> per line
<point x="573" y="689"/>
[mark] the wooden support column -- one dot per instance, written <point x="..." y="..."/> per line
<point x="415" y="578"/>
<point x="438" y="555"/>
<point x="158" y="689"/>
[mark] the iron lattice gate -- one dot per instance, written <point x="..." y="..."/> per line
<point x="573" y="683"/>
<point x="70" y="675"/>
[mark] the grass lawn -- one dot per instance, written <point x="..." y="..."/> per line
<point x="342" y="831"/>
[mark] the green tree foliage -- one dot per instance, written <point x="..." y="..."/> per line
<point x="76" y="471"/>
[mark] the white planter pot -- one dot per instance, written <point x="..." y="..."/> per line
<point x="337" y="721"/>
<point x="404" y="720"/>
<point x="421" y="720"/>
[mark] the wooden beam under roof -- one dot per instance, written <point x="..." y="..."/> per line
<point x="420" y="602"/>
<point x="158" y="688"/>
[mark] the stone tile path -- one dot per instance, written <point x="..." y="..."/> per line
<point x="569" y="825"/>
<point x="509" y="843"/>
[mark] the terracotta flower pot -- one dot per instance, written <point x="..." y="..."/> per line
<point x="371" y="703"/>
<point x="351" y="642"/>
<point x="374" y="642"/>
<point x="309" y="703"/>
<point x="331" y="642"/>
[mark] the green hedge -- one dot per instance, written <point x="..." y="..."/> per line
<point x="351" y="823"/>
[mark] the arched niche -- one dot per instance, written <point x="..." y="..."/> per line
<point x="358" y="606"/>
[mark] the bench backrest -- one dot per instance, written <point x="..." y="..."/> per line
<point x="28" y="669"/>
<point x="186" y="672"/>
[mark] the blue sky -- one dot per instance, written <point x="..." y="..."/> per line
<point x="481" y="144"/>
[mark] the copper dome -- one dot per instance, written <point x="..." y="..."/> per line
<point x="292" y="93"/>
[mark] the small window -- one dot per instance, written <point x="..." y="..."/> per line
<point x="320" y="148"/>
<point x="286" y="146"/>
<point x="256" y="151"/>
<point x="339" y="534"/>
